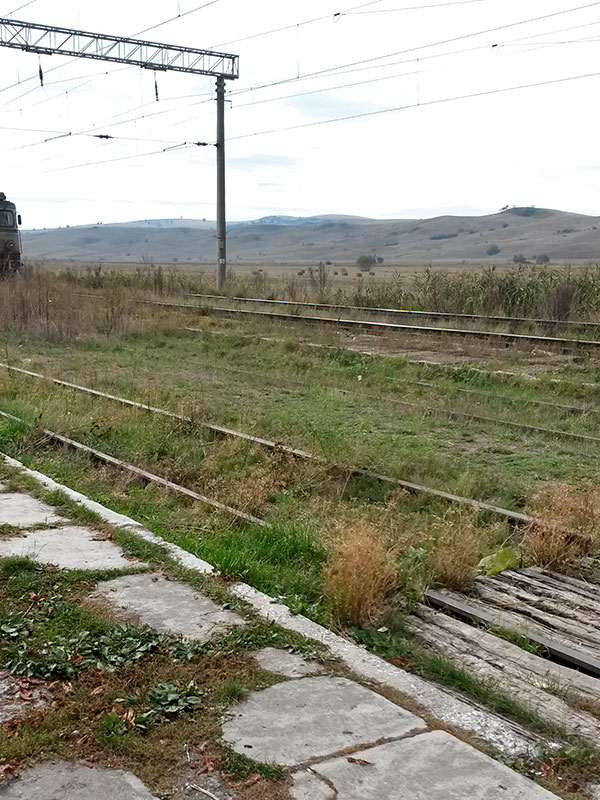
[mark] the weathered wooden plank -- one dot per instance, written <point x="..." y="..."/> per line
<point x="558" y="646"/>
<point x="559" y="612"/>
<point x="541" y="685"/>
<point x="553" y="587"/>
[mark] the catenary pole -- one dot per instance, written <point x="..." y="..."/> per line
<point x="221" y="219"/>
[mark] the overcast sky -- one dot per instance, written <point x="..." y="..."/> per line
<point x="535" y="146"/>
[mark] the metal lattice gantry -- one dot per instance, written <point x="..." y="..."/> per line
<point x="50" y="40"/>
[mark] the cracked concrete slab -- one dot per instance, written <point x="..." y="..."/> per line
<point x="13" y="703"/>
<point x="309" y="786"/>
<point x="67" y="779"/>
<point x="431" y="766"/>
<point x="298" y="720"/>
<point x="70" y="547"/>
<point x="23" y="511"/>
<point x="282" y="662"/>
<point x="167" y="606"/>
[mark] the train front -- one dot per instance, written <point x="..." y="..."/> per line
<point x="10" y="237"/>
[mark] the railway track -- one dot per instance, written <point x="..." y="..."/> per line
<point x="570" y="409"/>
<point x="404" y="311"/>
<point x="564" y="343"/>
<point x="569" y="654"/>
<point x="444" y="412"/>
<point x="421" y="362"/>
<point x="513" y="516"/>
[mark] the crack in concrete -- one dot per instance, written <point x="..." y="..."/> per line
<point x="347" y="751"/>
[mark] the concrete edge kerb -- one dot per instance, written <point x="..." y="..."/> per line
<point x="439" y="703"/>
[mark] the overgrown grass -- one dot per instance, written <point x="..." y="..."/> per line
<point x="525" y="290"/>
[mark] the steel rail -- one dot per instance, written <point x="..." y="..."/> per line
<point x="427" y="385"/>
<point x="424" y="363"/>
<point x="401" y="311"/>
<point x="142" y="473"/>
<point x="442" y="412"/>
<point x="415" y="488"/>
<point x="397" y="326"/>
<point x="520" y="376"/>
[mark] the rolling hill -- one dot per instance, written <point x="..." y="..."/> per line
<point x="494" y="238"/>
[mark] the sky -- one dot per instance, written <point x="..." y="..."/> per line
<point x="385" y="129"/>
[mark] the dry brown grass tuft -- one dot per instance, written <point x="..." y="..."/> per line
<point x="361" y="573"/>
<point x="563" y="511"/>
<point x="457" y="542"/>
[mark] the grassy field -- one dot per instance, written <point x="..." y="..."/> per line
<point x="347" y="550"/>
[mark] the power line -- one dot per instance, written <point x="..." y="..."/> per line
<point x="416" y="105"/>
<point x="180" y="146"/>
<point x="294" y="26"/>
<point x="416" y="48"/>
<point x="178" y="16"/>
<point x="14" y="11"/>
<point x="413" y="8"/>
<point x="439" y="101"/>
<point x="326" y="75"/>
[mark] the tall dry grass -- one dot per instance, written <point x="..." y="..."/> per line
<point x="390" y="558"/>
<point x="567" y="525"/>
<point x="41" y="304"/>
<point x="525" y="290"/>
<point x="361" y="573"/>
<point x="458" y="539"/>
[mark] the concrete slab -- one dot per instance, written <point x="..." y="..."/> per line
<point x="295" y="721"/>
<point x="23" y="511"/>
<point x="70" y="547"/>
<point x="432" y="766"/>
<point x="12" y="702"/>
<point x="167" y="606"/>
<point x="67" y="779"/>
<point x="282" y="662"/>
<point x="308" y="786"/>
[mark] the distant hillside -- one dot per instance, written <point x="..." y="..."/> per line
<point x="496" y="238"/>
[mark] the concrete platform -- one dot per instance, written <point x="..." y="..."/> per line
<point x="70" y="547"/>
<point x="431" y="766"/>
<point x="167" y="606"/>
<point x="24" y="511"/>
<point x="68" y="780"/>
<point x="282" y="662"/>
<point x="298" y="720"/>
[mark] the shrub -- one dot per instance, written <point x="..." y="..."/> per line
<point x="493" y="250"/>
<point x="366" y="262"/>
<point x="443" y="236"/>
<point x="523" y="211"/>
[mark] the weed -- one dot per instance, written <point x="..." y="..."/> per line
<point x="231" y="691"/>
<point x="560" y="509"/>
<point x="457" y="540"/>
<point x="169" y="699"/>
<point x="110" y="728"/>
<point x="524" y="642"/>
<point x="360" y="574"/>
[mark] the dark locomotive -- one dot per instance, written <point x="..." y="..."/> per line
<point x="10" y="237"/>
